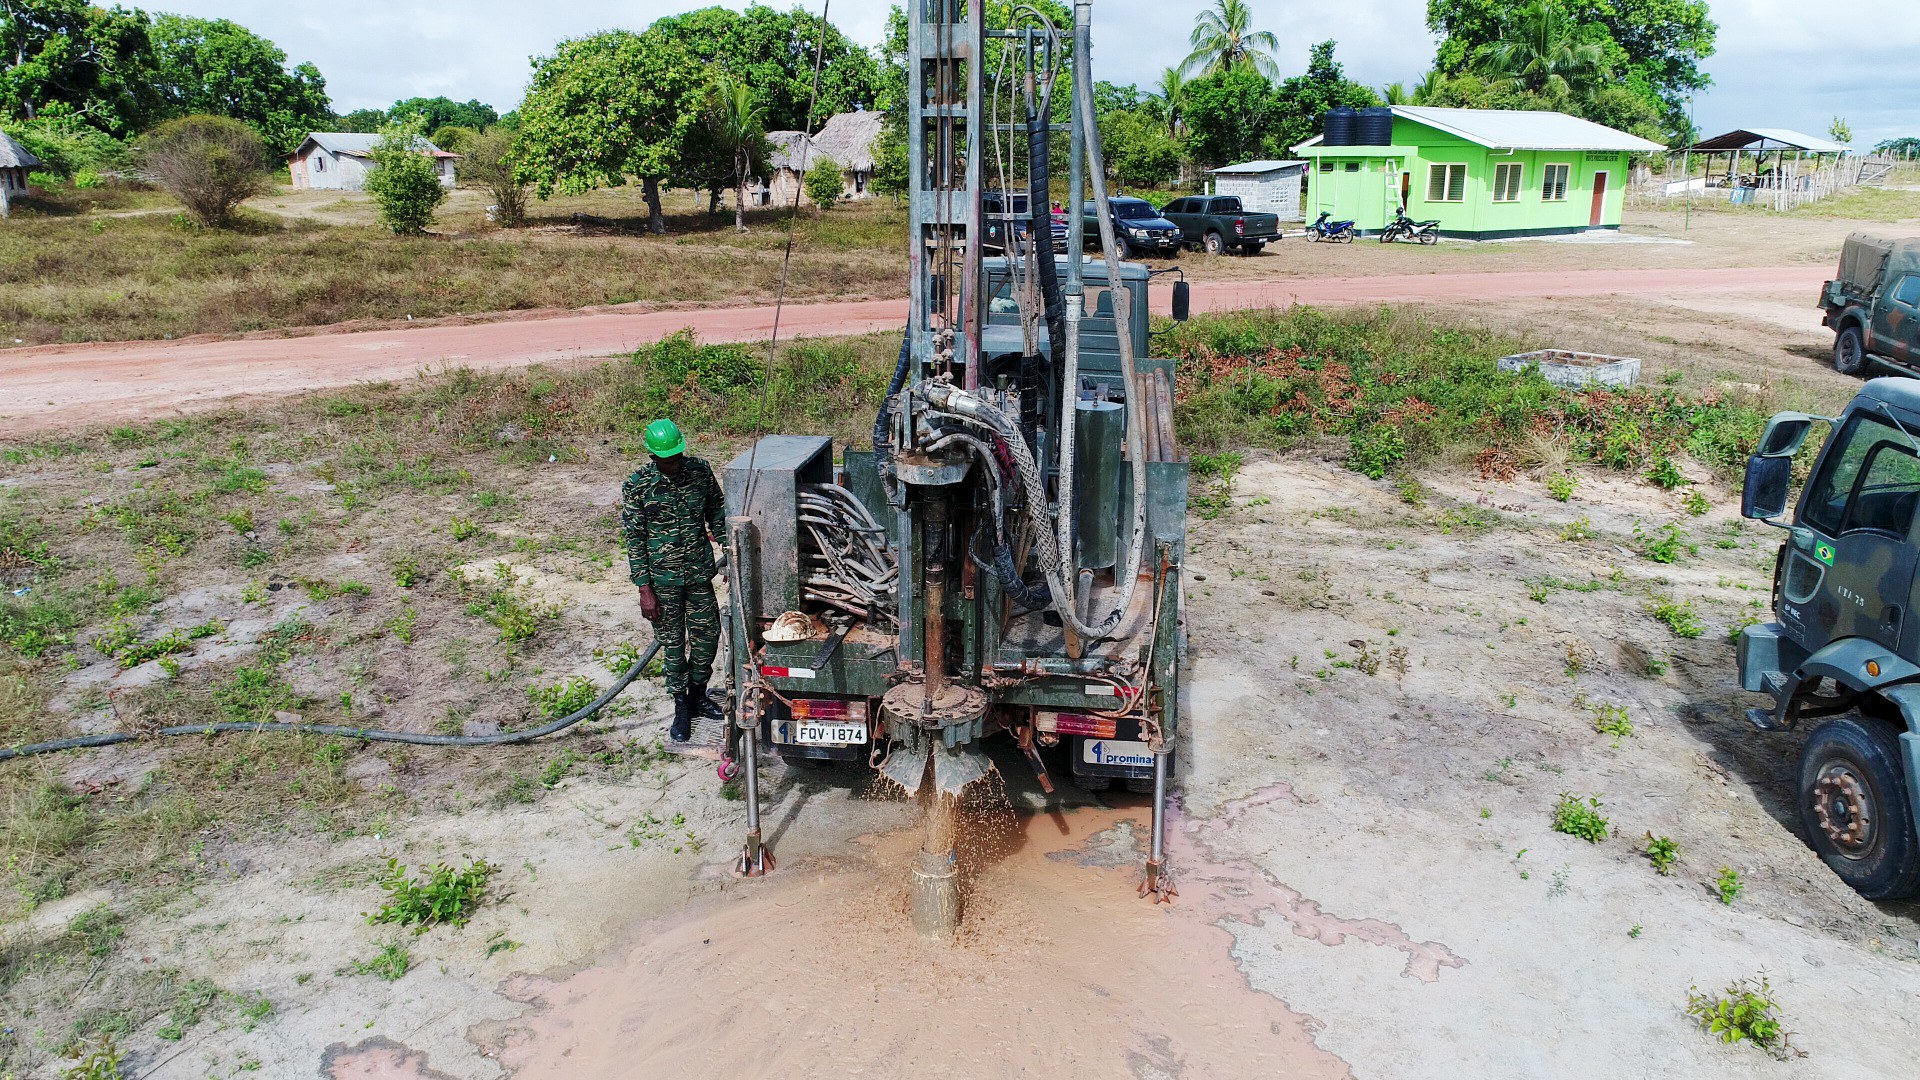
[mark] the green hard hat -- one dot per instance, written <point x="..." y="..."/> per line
<point x="664" y="439"/>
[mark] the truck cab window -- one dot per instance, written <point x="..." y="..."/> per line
<point x="1888" y="488"/>
<point x="1908" y="291"/>
<point x="1844" y="479"/>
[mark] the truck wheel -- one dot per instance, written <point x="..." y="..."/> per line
<point x="1122" y="250"/>
<point x="1850" y="351"/>
<point x="1855" y="809"/>
<point x="1215" y="244"/>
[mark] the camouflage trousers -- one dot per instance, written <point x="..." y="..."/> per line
<point x="688" y="630"/>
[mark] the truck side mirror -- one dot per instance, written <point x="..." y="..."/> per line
<point x="1764" y="495"/>
<point x="1784" y="434"/>
<point x="1182" y="303"/>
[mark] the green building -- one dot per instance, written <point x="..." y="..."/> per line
<point x="1484" y="173"/>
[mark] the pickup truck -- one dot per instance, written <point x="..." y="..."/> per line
<point x="1137" y="226"/>
<point x="994" y="206"/>
<point x="1873" y="304"/>
<point x="1217" y="223"/>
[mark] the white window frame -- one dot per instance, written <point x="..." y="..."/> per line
<point x="1546" y="181"/>
<point x="1508" y="192"/>
<point x="1450" y="191"/>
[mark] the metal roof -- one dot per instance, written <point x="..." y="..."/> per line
<point x="359" y="143"/>
<point x="1258" y="167"/>
<point x="1770" y="139"/>
<point x="1518" y="129"/>
<point x="15" y="156"/>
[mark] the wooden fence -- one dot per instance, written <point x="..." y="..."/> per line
<point x="1788" y="184"/>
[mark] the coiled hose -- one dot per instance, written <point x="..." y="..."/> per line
<point x="504" y="738"/>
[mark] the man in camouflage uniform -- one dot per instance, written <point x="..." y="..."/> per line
<point x="669" y="509"/>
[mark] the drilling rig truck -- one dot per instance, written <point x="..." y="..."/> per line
<point x="1005" y="560"/>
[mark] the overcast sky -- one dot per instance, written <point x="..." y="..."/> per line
<point x="1781" y="63"/>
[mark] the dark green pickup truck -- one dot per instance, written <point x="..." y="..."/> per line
<point x="1217" y="223"/>
<point x="1873" y="304"/>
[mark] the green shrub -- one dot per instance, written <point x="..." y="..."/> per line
<point x="405" y="182"/>
<point x="446" y="895"/>
<point x="1678" y="616"/>
<point x="1728" y="885"/>
<point x="1613" y="720"/>
<point x="1579" y="817"/>
<point x="1663" y="853"/>
<point x="1665" y="474"/>
<point x="1665" y="544"/>
<point x="211" y="164"/>
<point x="1745" y="1012"/>
<point x="1561" y="486"/>
<point x="824" y="183"/>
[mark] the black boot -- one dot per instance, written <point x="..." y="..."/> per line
<point x="703" y="706"/>
<point x="682" y="729"/>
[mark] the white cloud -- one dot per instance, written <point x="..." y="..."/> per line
<point x="1781" y="63"/>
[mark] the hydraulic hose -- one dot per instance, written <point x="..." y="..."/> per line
<point x="504" y="738"/>
<point x="883" y="420"/>
<point x="1040" y="207"/>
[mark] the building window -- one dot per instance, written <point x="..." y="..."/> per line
<point x="1553" y="188"/>
<point x="1447" y="183"/>
<point x="1506" y="182"/>
<point x="1326" y="166"/>
<point x="1353" y="166"/>
<point x="319" y="163"/>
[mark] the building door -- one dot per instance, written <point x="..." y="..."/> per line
<point x="1406" y="188"/>
<point x="1599" y="198"/>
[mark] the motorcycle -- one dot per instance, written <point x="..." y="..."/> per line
<point x="1404" y="227"/>
<point x="1332" y="232"/>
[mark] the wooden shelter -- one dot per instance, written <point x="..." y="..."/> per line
<point x="16" y="164"/>
<point x="1783" y="143"/>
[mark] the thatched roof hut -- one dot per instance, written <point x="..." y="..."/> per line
<point x="16" y="162"/>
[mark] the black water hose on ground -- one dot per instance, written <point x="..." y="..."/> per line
<point x="504" y="738"/>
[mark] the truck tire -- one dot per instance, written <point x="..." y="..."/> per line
<point x="1855" y="809"/>
<point x="1215" y="243"/>
<point x="1850" y="351"/>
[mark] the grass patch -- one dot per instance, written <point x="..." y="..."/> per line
<point x="1399" y="388"/>
<point x="280" y="272"/>
<point x="391" y="962"/>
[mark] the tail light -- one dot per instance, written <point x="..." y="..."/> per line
<point x="1239" y="226"/>
<point x="1066" y="723"/>
<point x="828" y="709"/>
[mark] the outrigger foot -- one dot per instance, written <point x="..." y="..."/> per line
<point x="756" y="860"/>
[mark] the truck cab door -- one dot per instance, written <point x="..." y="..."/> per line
<point x="1896" y="320"/>
<point x="1849" y="559"/>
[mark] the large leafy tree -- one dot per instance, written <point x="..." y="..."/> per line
<point x="439" y="112"/>
<point x="1654" y="47"/>
<point x="773" y="52"/>
<point x="1138" y="151"/>
<point x="607" y="108"/>
<point x="68" y="58"/>
<point x="1541" y="51"/>
<point x="1300" y="101"/>
<point x="221" y="68"/>
<point x="1227" y="116"/>
<point x="1223" y="39"/>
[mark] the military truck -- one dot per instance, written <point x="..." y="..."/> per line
<point x="1873" y="304"/>
<point x="1844" y="651"/>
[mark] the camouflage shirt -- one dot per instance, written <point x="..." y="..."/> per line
<point x="666" y="521"/>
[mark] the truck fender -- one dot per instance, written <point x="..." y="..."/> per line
<point x="1845" y="662"/>
<point x="1906" y="698"/>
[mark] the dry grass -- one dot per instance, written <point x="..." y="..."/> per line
<point x="78" y="273"/>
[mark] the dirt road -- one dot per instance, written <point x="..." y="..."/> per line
<point x="50" y="387"/>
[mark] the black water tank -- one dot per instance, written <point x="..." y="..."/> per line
<point x="1374" y="127"/>
<point x="1339" y="126"/>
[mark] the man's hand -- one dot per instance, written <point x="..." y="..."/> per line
<point x="649" y="604"/>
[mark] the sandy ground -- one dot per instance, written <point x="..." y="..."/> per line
<point x="1369" y="886"/>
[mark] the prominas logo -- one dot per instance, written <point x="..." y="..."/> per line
<point x="1119" y="752"/>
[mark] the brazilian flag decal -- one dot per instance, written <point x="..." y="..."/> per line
<point x="1824" y="552"/>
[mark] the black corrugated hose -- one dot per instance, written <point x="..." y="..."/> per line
<point x="504" y="738"/>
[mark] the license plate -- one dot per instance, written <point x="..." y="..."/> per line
<point x="817" y="733"/>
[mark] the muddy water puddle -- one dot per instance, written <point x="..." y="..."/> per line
<point x="1059" y="970"/>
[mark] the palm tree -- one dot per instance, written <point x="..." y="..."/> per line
<point x="738" y="123"/>
<point x="1172" y="89"/>
<point x="1396" y="94"/>
<point x="1537" y="51"/>
<point x="1222" y="42"/>
<point x="1427" y="90"/>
